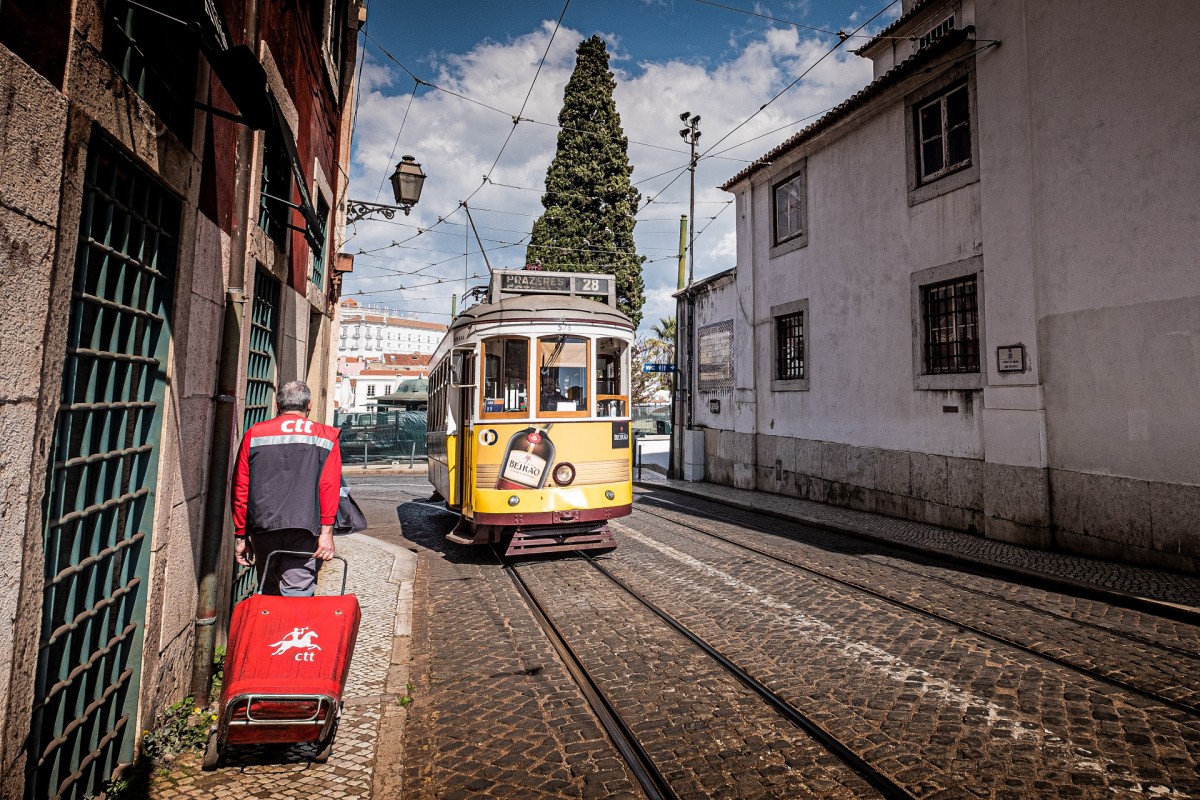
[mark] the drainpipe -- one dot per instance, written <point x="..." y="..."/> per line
<point x="225" y="408"/>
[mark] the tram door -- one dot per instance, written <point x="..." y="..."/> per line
<point x="465" y="455"/>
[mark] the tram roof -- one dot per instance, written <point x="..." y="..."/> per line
<point x="534" y="308"/>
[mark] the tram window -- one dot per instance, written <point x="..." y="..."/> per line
<point x="506" y="375"/>
<point x="563" y="374"/>
<point x="612" y="376"/>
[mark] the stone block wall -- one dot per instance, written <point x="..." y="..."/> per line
<point x="1108" y="517"/>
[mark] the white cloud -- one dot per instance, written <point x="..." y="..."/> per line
<point x="457" y="142"/>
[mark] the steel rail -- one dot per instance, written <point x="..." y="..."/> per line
<point x="880" y="780"/>
<point x="623" y="738"/>
<point x="1148" y="694"/>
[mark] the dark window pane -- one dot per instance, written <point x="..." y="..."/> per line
<point x="957" y="110"/>
<point x="958" y="145"/>
<point x="931" y="157"/>
<point x="931" y="121"/>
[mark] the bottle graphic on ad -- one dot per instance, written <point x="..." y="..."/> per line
<point x="527" y="460"/>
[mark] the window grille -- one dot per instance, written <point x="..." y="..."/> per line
<point x="274" y="213"/>
<point x="950" y="317"/>
<point x="154" y="56"/>
<point x="264" y="334"/>
<point x="789" y="209"/>
<point x="943" y="127"/>
<point x="789" y="347"/>
<point x="936" y="32"/>
<point x="99" y="503"/>
<point x="318" y="255"/>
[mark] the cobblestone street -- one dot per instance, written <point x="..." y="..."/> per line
<point x="945" y="711"/>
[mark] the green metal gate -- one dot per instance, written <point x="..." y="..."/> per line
<point x="260" y="381"/>
<point x="99" y="506"/>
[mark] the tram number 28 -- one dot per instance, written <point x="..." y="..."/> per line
<point x="589" y="284"/>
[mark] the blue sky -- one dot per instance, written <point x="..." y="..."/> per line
<point x="492" y="60"/>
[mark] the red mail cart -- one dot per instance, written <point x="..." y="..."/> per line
<point x="285" y="671"/>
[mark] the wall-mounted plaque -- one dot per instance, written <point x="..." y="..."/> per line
<point x="1010" y="358"/>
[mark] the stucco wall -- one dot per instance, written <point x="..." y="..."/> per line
<point x="32" y="133"/>
<point x="864" y="243"/>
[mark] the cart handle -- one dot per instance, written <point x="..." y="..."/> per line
<point x="267" y="564"/>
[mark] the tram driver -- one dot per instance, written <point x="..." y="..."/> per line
<point x="553" y="399"/>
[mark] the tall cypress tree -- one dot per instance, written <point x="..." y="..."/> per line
<point x="590" y="203"/>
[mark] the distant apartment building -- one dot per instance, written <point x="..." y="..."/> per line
<point x="968" y="295"/>
<point x="361" y="383"/>
<point x="370" y="332"/>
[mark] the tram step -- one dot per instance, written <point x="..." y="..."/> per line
<point x="560" y="540"/>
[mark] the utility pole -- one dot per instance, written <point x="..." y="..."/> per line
<point x="691" y="135"/>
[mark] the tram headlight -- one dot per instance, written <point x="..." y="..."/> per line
<point x="512" y="501"/>
<point x="610" y="494"/>
<point x="564" y="473"/>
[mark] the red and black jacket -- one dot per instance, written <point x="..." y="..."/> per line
<point x="287" y="475"/>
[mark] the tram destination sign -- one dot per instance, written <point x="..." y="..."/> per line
<point x="533" y="283"/>
<point x="507" y="283"/>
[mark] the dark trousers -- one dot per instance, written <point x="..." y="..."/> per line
<point x="290" y="575"/>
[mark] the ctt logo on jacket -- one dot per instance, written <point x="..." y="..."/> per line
<point x="298" y="639"/>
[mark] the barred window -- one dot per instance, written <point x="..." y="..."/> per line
<point x="943" y="128"/>
<point x="318" y="254"/>
<point x="275" y="191"/>
<point x="950" y="317"/>
<point x="789" y="208"/>
<point x="789" y="347"/>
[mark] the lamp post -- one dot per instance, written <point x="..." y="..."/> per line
<point x="691" y="134"/>
<point x="407" y="181"/>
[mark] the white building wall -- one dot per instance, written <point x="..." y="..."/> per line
<point x="1082" y="224"/>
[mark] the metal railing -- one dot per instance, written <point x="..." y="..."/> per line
<point x="386" y="437"/>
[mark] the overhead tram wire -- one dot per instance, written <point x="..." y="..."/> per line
<point x="799" y="78"/>
<point x="392" y="156"/>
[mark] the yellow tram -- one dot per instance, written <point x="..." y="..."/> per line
<point x="529" y="436"/>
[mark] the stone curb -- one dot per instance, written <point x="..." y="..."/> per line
<point x="1162" y="608"/>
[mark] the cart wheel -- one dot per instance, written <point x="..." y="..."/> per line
<point x="212" y="753"/>
<point x="326" y="747"/>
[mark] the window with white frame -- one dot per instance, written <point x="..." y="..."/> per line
<point x="789" y="208"/>
<point x="371" y="390"/>
<point x="943" y="132"/>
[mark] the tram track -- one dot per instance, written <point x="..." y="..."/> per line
<point x="1008" y="601"/>
<point x="1099" y="675"/>
<point x="625" y="741"/>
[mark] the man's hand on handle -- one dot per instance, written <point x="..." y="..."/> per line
<point x="325" y="547"/>
<point x="242" y="551"/>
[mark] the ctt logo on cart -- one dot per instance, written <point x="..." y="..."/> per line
<point x="298" y="639"/>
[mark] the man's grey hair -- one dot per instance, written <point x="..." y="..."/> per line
<point x="293" y="396"/>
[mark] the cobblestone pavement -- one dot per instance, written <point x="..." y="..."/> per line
<point x="946" y="713"/>
<point x="930" y="704"/>
<point x="376" y="576"/>
<point x="708" y="735"/>
<point x="496" y="714"/>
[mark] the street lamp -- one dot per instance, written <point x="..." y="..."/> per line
<point x="691" y="134"/>
<point x="407" y="181"/>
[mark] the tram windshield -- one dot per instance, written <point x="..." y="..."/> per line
<point x="506" y="375"/>
<point x="562" y="374"/>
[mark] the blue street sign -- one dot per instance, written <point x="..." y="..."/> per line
<point x="658" y="367"/>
